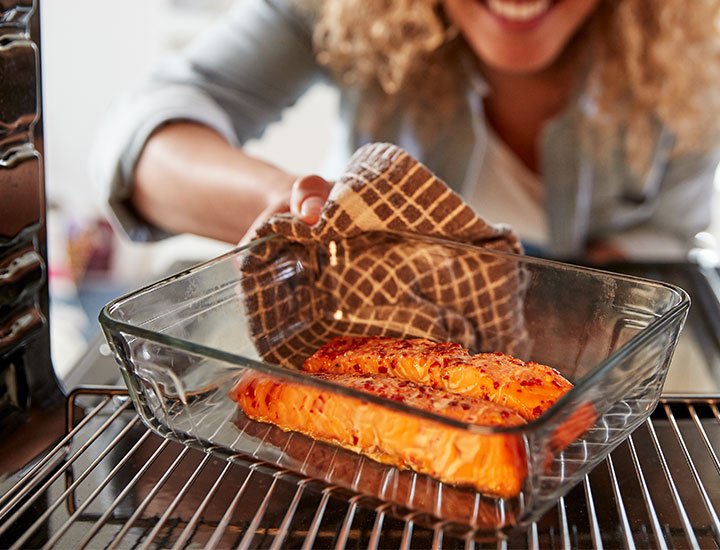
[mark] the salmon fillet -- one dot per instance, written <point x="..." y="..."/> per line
<point x="323" y="462"/>
<point x="491" y="463"/>
<point x="527" y="388"/>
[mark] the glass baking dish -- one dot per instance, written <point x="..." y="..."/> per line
<point x="183" y="342"/>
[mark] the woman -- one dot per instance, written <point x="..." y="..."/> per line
<point x="586" y="124"/>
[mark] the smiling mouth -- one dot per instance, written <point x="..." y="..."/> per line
<point x="519" y="11"/>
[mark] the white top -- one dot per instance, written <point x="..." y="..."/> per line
<point x="508" y="192"/>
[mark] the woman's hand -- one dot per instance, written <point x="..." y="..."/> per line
<point x="307" y="197"/>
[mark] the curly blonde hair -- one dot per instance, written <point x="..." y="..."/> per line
<point x="662" y="64"/>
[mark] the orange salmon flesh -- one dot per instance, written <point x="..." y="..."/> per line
<point x="492" y="463"/>
<point x="487" y="389"/>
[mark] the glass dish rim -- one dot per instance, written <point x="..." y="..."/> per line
<point x="108" y="322"/>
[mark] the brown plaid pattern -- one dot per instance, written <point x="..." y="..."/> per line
<point x="361" y="278"/>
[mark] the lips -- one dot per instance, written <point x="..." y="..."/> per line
<point x="518" y="12"/>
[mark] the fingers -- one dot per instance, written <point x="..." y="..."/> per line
<point x="308" y="196"/>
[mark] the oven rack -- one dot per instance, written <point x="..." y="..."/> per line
<point x="112" y="483"/>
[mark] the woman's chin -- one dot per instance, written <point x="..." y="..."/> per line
<point x="518" y="60"/>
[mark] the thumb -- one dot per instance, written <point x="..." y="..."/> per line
<point x="308" y="196"/>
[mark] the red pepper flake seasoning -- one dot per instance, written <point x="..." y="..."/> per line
<point x="267" y="399"/>
<point x="504" y="414"/>
<point x="355" y="439"/>
<point x="387" y="356"/>
<point x="250" y="392"/>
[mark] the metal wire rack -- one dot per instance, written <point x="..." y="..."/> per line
<point x="112" y="483"/>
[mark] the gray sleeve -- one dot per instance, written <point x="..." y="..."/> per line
<point x="683" y="208"/>
<point x="236" y="78"/>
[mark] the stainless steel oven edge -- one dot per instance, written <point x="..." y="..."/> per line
<point x="27" y="379"/>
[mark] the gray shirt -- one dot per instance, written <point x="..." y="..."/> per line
<point x="240" y="75"/>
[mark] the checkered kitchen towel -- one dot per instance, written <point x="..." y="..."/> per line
<point x="362" y="278"/>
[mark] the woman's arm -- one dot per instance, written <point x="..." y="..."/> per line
<point x="189" y="179"/>
<point x="682" y="208"/>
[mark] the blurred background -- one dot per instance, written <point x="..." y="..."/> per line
<point x="91" y="51"/>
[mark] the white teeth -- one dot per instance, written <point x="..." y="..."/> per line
<point x="518" y="11"/>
